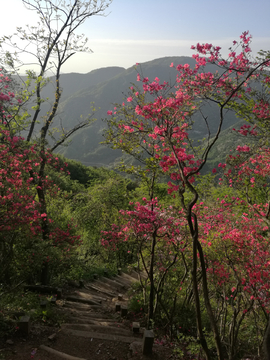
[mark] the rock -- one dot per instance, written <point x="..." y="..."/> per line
<point x="9" y="342"/>
<point x="52" y="337"/>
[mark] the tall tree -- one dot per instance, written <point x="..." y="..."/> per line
<point x="51" y="43"/>
<point x="170" y="111"/>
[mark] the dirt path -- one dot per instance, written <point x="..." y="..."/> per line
<point x="93" y="329"/>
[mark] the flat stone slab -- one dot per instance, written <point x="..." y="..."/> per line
<point x="102" y="336"/>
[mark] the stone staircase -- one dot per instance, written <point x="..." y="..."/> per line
<point x="93" y="329"/>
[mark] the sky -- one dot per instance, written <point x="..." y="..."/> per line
<point x="136" y="31"/>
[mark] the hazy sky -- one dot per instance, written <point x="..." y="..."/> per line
<point x="141" y="30"/>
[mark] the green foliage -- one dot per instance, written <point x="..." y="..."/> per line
<point x="160" y="190"/>
<point x="96" y="209"/>
<point x="18" y="303"/>
<point x="136" y="301"/>
<point x="84" y="175"/>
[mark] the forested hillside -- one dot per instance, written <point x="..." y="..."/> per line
<point x="102" y="88"/>
<point x="86" y="144"/>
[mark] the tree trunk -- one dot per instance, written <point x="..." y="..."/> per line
<point x="152" y="288"/>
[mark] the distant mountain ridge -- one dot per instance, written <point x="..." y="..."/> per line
<point x="104" y="87"/>
<point x="73" y="82"/>
<point x="85" y="145"/>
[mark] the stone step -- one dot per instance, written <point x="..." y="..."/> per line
<point x="81" y="306"/>
<point x="81" y="299"/>
<point x="102" y="336"/>
<point x="126" y="282"/>
<point x="97" y="321"/>
<point x="126" y="276"/>
<point x="91" y="294"/>
<point x="59" y="353"/>
<point x="113" y="283"/>
<point x="135" y="275"/>
<point x="91" y="315"/>
<point x="104" y="285"/>
<point x="107" y="329"/>
<point x="94" y="286"/>
<point x="130" y="278"/>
